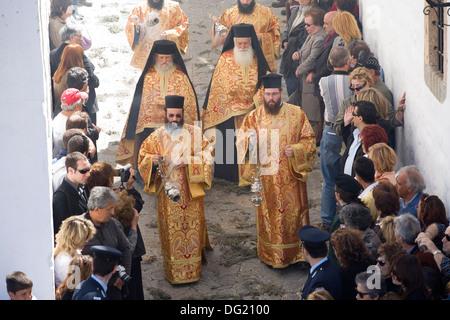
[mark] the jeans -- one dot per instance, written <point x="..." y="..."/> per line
<point x="330" y="147"/>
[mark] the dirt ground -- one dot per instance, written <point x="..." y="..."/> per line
<point x="233" y="270"/>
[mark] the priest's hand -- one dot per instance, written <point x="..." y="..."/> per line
<point x="155" y="159"/>
<point x="288" y="151"/>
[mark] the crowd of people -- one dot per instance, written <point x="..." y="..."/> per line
<point x="380" y="236"/>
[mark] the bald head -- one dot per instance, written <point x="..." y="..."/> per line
<point x="328" y="22"/>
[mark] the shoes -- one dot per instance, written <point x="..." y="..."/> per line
<point x="284" y="20"/>
<point x="283" y="12"/>
<point x="278" y="4"/>
<point x="323" y="227"/>
<point x="84" y="3"/>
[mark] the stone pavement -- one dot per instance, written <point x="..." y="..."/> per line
<point x="233" y="270"/>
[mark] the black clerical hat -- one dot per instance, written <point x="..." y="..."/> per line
<point x="347" y="183"/>
<point x="242" y="30"/>
<point x="164" y="47"/>
<point x="174" y="102"/>
<point x="313" y="235"/>
<point x="272" y="80"/>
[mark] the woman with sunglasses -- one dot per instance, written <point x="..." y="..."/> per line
<point x="385" y="253"/>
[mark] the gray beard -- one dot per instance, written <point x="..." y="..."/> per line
<point x="243" y="58"/>
<point x="174" y="128"/>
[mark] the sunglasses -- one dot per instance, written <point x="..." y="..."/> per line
<point x="381" y="262"/>
<point x="357" y="88"/>
<point x="447" y="237"/>
<point x="83" y="171"/>
<point x="308" y="25"/>
<point x="361" y="294"/>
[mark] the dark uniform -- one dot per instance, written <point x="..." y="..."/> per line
<point x="92" y="288"/>
<point x="325" y="275"/>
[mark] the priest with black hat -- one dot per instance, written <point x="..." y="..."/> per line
<point x="234" y="90"/>
<point x="175" y="163"/>
<point x="164" y="74"/>
<point x="277" y="148"/>
<point x="323" y="275"/>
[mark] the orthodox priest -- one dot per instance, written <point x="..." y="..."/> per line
<point x="175" y="163"/>
<point x="263" y="20"/>
<point x="164" y="74"/>
<point x="155" y="20"/>
<point x="232" y="93"/>
<point x="278" y="146"/>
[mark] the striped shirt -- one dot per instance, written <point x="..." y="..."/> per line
<point x="334" y="89"/>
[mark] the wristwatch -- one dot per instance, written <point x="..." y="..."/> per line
<point x="436" y="252"/>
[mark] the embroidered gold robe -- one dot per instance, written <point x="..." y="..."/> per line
<point x="265" y="23"/>
<point x="181" y="225"/>
<point x="172" y="21"/>
<point x="284" y="206"/>
<point x="151" y="113"/>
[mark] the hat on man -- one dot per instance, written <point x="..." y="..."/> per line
<point x="372" y="63"/>
<point x="174" y="102"/>
<point x="272" y="80"/>
<point x="164" y="47"/>
<point x="106" y="253"/>
<point x="242" y="30"/>
<point x="347" y="183"/>
<point x="72" y="95"/>
<point x="313" y="235"/>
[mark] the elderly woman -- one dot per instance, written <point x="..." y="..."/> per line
<point x="307" y="56"/>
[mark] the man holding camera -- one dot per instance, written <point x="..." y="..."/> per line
<point x="101" y="203"/>
<point x="175" y="163"/>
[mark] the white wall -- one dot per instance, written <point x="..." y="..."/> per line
<point x="394" y="31"/>
<point x="26" y="232"/>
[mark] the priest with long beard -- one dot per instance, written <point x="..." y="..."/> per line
<point x="277" y="145"/>
<point x="232" y="93"/>
<point x="266" y="26"/>
<point x="177" y="154"/>
<point x="155" y="20"/>
<point x="164" y="74"/>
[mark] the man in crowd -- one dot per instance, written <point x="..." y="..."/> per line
<point x="263" y="20"/>
<point x="410" y="186"/>
<point x="277" y="145"/>
<point x="164" y="74"/>
<point x="232" y="93"/>
<point x="175" y="162"/>
<point x="155" y="20"/>
<point x="71" y="196"/>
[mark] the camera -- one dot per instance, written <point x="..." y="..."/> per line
<point x="124" y="172"/>
<point x="123" y="274"/>
<point x="172" y="192"/>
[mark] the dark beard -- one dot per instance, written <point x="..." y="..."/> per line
<point x="154" y="5"/>
<point x="272" y="109"/>
<point x="247" y="9"/>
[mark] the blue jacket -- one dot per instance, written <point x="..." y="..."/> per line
<point x="326" y="276"/>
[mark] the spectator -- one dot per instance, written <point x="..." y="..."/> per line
<point x="385" y="253"/>
<point x="320" y="294"/>
<point x="433" y="283"/>
<point x="431" y="210"/>
<point x="347" y="28"/>
<point x="384" y="161"/>
<point x="60" y="10"/>
<point x="71" y="101"/>
<point x="19" y="286"/>
<point x="368" y="292"/>
<point x="372" y="134"/>
<point x="407" y="228"/>
<point x="365" y="175"/>
<point x="72" y="56"/>
<point x="410" y="185"/>
<point x="358" y="217"/>
<point x="71" y="196"/>
<point x="70" y="240"/>
<point x="386" y="201"/>
<point x="407" y="272"/>
<point x="322" y="274"/>
<point x="81" y="120"/>
<point x="353" y="257"/>
<point x="79" y="269"/>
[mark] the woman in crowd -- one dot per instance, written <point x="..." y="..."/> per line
<point x="384" y="161"/>
<point x="79" y="269"/>
<point x="387" y="202"/>
<point x="406" y="272"/>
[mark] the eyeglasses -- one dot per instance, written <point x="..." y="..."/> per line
<point x="381" y="262"/>
<point x="361" y="294"/>
<point x="83" y="171"/>
<point x="308" y="25"/>
<point x="357" y="88"/>
<point x="447" y="237"/>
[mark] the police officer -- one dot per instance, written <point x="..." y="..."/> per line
<point x="323" y="274"/>
<point x="106" y="261"/>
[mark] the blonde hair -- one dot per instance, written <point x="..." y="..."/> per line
<point x="73" y="232"/>
<point x="387" y="227"/>
<point x="377" y="98"/>
<point x="361" y="74"/>
<point x="346" y="26"/>
<point x="383" y="157"/>
<point x="320" y="294"/>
